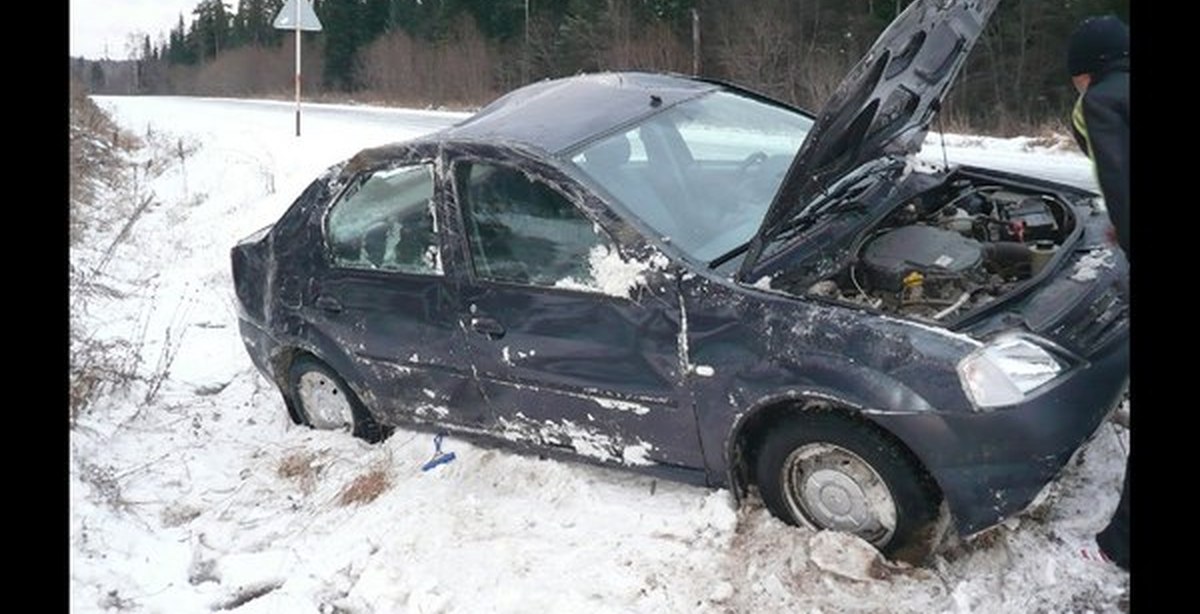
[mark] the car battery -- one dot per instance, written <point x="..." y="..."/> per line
<point x="1031" y="220"/>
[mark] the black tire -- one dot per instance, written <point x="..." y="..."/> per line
<point x="310" y="380"/>
<point x="831" y="455"/>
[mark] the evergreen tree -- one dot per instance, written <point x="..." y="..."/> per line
<point x="211" y="29"/>
<point x="238" y="36"/>
<point x="97" y="80"/>
<point x="179" y="49"/>
<point x="795" y="49"/>
<point x="342" y="27"/>
<point x="374" y="20"/>
<point x="255" y="18"/>
<point x="499" y="20"/>
<point x="266" y="30"/>
<point x="420" y="19"/>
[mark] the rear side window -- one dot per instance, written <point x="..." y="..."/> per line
<point x="385" y="220"/>
<point x="523" y="231"/>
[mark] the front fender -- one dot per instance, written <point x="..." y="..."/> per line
<point x="725" y="404"/>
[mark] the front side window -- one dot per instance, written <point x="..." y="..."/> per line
<point x="521" y="230"/>
<point x="386" y="221"/>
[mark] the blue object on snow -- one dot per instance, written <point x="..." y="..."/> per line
<point x="439" y="458"/>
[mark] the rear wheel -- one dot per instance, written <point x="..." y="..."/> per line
<point x="323" y="401"/>
<point x="831" y="471"/>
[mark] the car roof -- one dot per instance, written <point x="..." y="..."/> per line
<point x="555" y="115"/>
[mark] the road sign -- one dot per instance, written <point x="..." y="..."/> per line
<point x="286" y="19"/>
<point x="297" y="15"/>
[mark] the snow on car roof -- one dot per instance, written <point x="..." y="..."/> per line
<point x="555" y="115"/>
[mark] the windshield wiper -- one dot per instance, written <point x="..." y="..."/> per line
<point x="841" y="196"/>
<point x="729" y="255"/>
<point x="838" y="203"/>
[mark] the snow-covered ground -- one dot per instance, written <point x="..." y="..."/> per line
<point x="191" y="491"/>
<point x="1056" y="159"/>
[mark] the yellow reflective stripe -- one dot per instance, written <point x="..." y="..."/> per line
<point x="1081" y="125"/>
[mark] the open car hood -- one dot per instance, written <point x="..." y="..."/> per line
<point x="884" y="106"/>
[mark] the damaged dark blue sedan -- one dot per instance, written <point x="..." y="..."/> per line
<point x="695" y="281"/>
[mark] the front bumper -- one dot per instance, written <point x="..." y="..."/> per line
<point x="992" y="465"/>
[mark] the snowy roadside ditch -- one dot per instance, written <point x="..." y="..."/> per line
<point x="191" y="491"/>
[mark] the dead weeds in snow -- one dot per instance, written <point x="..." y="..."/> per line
<point x="366" y="487"/>
<point x="110" y="171"/>
<point x="1053" y="134"/>
<point x="113" y="600"/>
<point x="246" y="594"/>
<point x="99" y="152"/>
<point x="104" y="484"/>
<point x="301" y="467"/>
<point x="994" y="539"/>
<point x="99" y="167"/>
<point x="178" y="514"/>
<point x="98" y="367"/>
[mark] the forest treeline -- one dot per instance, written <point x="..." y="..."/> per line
<point x="464" y="53"/>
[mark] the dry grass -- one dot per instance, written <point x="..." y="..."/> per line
<point x="98" y="367"/>
<point x="82" y="390"/>
<point x="99" y="167"/>
<point x="110" y="171"/>
<point x="105" y="485"/>
<point x="302" y="468"/>
<point x="990" y="539"/>
<point x="305" y="468"/>
<point x="98" y="151"/>
<point x="406" y="71"/>
<point x="178" y="514"/>
<point x="1053" y="134"/>
<point x="114" y="601"/>
<point x="366" y="487"/>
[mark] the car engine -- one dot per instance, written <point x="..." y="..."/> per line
<point x="948" y="251"/>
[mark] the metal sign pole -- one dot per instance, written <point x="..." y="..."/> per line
<point x="297" y="16"/>
<point x="297" y="69"/>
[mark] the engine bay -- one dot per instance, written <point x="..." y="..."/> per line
<point x="952" y="249"/>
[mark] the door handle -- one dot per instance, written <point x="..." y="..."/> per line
<point x="328" y="303"/>
<point x="487" y="326"/>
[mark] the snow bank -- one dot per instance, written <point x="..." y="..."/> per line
<point x="200" y="494"/>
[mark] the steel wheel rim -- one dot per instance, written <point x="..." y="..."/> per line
<point x="829" y="487"/>
<point x="324" y="402"/>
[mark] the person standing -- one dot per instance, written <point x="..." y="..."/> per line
<point x="1098" y="60"/>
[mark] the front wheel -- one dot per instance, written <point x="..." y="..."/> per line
<point x="831" y="471"/>
<point x="323" y="400"/>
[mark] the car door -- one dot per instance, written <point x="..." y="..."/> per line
<point x="385" y="298"/>
<point x="569" y="354"/>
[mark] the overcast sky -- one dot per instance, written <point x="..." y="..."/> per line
<point x="96" y="22"/>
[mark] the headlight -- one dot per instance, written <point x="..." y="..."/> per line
<point x="1005" y="371"/>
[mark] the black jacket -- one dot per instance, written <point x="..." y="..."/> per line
<point x="1101" y="126"/>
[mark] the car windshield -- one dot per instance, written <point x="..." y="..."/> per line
<point x="702" y="173"/>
